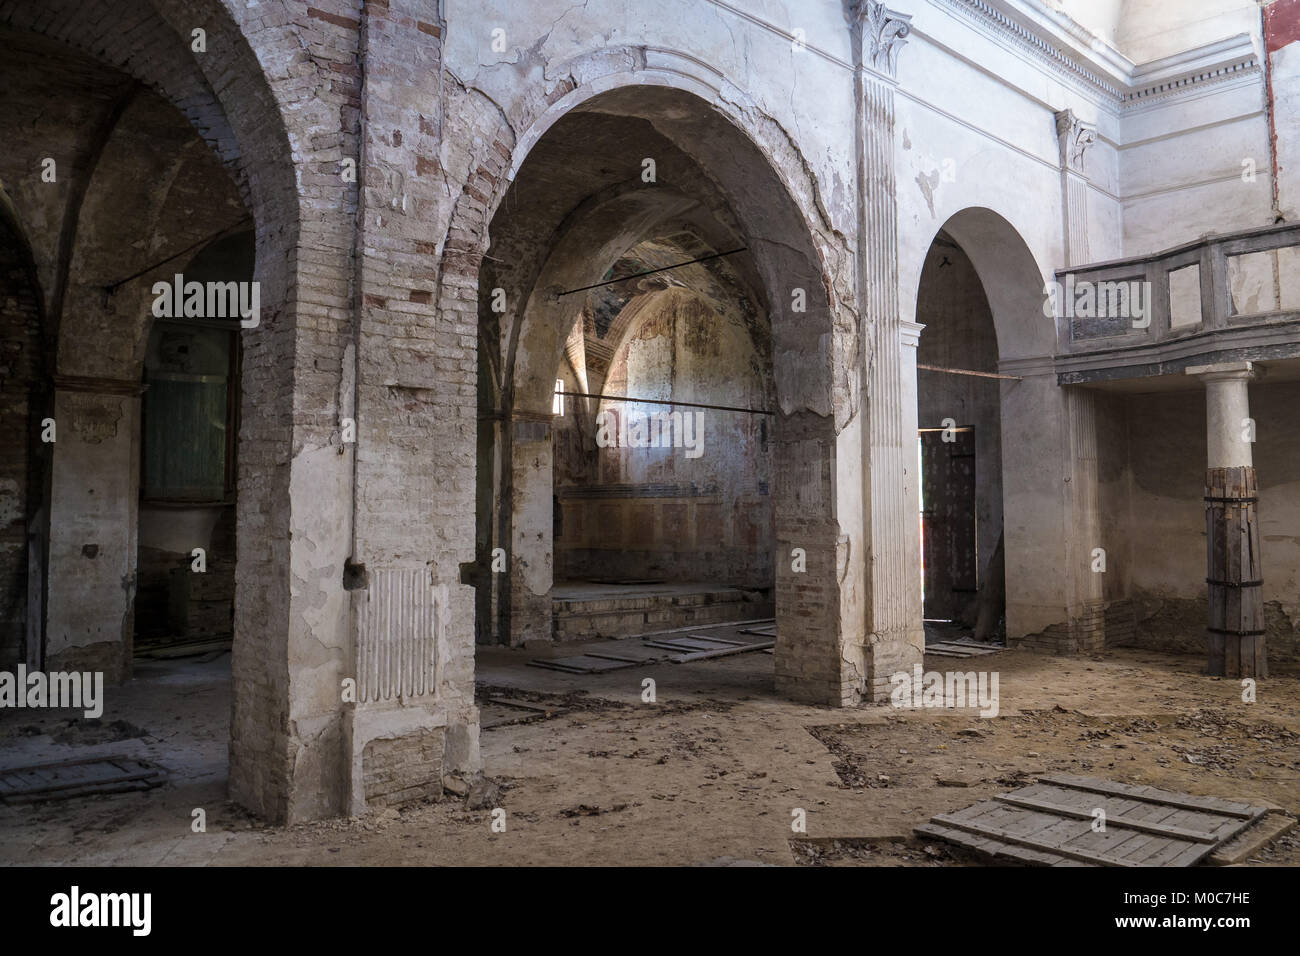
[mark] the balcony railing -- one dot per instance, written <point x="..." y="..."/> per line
<point x="1221" y="298"/>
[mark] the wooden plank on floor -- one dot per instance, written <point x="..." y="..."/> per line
<point x="1060" y="847"/>
<point x="722" y="652"/>
<point x="701" y="627"/>
<point x="1260" y="833"/>
<point x="1185" y="801"/>
<point x="1112" y="820"/>
<point x="994" y="849"/>
<point x="694" y="643"/>
<point x="53" y="780"/>
<point x="962" y="650"/>
<point x="583" y="664"/>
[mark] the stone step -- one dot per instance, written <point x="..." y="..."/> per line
<point x="630" y="616"/>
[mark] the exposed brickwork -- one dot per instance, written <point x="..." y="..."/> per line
<point x="1085" y="634"/>
<point x="240" y="108"/>
<point x="372" y="290"/>
<point x="20" y="366"/>
<point x="397" y="770"/>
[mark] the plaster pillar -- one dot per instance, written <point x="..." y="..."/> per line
<point x="1085" y="625"/>
<point x="531" y="531"/>
<point x="1085" y="631"/>
<point x="94" y="493"/>
<point x="895" y="639"/>
<point x="1227" y="413"/>
<point x="909" y="338"/>
<point x="1235" y="630"/>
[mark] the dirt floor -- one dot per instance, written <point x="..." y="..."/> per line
<point x="710" y="773"/>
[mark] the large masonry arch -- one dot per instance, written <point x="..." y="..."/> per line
<point x="486" y="237"/>
<point x="1050" y="528"/>
<point x="118" y="215"/>
<point x="717" y="181"/>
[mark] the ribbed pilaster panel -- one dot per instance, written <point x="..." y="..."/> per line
<point x="397" y="636"/>
<point x="891" y="575"/>
<point x="1076" y="212"/>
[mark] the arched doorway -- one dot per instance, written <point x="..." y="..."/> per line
<point x="959" y="416"/>
<point x="124" y="166"/>
<point x="189" y="428"/>
<point x="1050" y="527"/>
<point x="625" y="170"/>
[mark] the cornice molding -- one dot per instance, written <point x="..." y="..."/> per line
<point x="1072" y="53"/>
<point x="994" y="22"/>
<point x="1192" y="82"/>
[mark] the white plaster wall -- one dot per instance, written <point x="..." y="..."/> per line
<point x="1285" y="65"/>
<point x="1165" y="526"/>
<point x="809" y="91"/>
<point x="975" y="110"/>
<point x="1182" y="166"/>
<point x="1101" y="17"/>
<point x="1149" y="29"/>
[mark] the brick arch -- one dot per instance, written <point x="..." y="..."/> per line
<point x="243" y="111"/>
<point x="759" y="171"/>
<point x="279" y="120"/>
<point x="522" y="123"/>
<point x="140" y="208"/>
<point x="688" y="244"/>
<point x="146" y="48"/>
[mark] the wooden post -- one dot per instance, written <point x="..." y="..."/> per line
<point x="1233" y="565"/>
<point x="1236" y="626"/>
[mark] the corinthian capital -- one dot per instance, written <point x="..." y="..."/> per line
<point x="883" y="34"/>
<point x="1074" y="137"/>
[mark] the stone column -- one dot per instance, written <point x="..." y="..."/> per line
<point x="94" y="491"/>
<point x="895" y="638"/>
<point x="531" y="543"/>
<point x="415" y="399"/>
<point x="1085" y="628"/>
<point x="909" y="338"/>
<point x="1236" y="610"/>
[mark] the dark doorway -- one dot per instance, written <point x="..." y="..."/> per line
<point x="950" y="542"/>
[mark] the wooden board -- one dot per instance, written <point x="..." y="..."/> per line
<point x="1235" y="632"/>
<point x="61" y="780"/>
<point x="960" y="649"/>
<point x="583" y="663"/>
<point x="689" y="645"/>
<point x="1054" y="822"/>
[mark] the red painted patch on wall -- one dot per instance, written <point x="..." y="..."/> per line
<point x="1281" y="24"/>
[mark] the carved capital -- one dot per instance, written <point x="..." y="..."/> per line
<point x="884" y="32"/>
<point x="1074" y="137"/>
